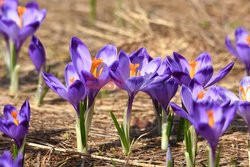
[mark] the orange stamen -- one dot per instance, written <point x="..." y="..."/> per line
<point x="14" y="116"/>
<point x="248" y="40"/>
<point x="133" y="68"/>
<point x="192" y="68"/>
<point x="72" y="80"/>
<point x="21" y="10"/>
<point x="244" y="92"/>
<point x="201" y="95"/>
<point x="210" y="115"/>
<point x="95" y="64"/>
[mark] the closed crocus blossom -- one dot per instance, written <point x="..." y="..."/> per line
<point x="74" y="91"/>
<point x="94" y="72"/>
<point x="210" y="120"/>
<point x="15" y="124"/>
<point x="200" y="69"/>
<point x="6" y="160"/>
<point x="241" y="48"/>
<point x="19" y="22"/>
<point x="37" y="53"/>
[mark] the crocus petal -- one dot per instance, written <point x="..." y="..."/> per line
<point x="32" y="5"/>
<point x="186" y="97"/>
<point x="182" y="77"/>
<point x="181" y="61"/>
<point x="33" y="15"/>
<point x="9" y="29"/>
<point x="229" y="114"/>
<point x="56" y="85"/>
<point x="123" y="66"/>
<point x="80" y="55"/>
<point x="7" y="111"/>
<point x="70" y="74"/>
<point x="25" y="110"/>
<point x="141" y="57"/>
<point x="220" y="75"/>
<point x="244" y="52"/>
<point x="230" y="47"/>
<point x="134" y="84"/>
<point x="76" y="92"/>
<point x="37" y="53"/>
<point x="244" y="112"/>
<point x="203" y="60"/>
<point x="240" y="35"/>
<point x="179" y="111"/>
<point x="204" y="75"/>
<point x="108" y="54"/>
<point x="172" y="64"/>
<point x="25" y="32"/>
<point x="151" y="67"/>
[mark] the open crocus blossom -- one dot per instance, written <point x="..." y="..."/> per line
<point x="200" y="69"/>
<point x="241" y="49"/>
<point x="210" y="119"/>
<point x="131" y="73"/>
<point x="162" y="88"/>
<point x="74" y="91"/>
<point x="94" y="72"/>
<point x="6" y="160"/>
<point x="15" y="124"/>
<point x="38" y="57"/>
<point x="17" y="23"/>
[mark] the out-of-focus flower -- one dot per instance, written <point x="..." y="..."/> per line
<point x="15" y="124"/>
<point x="37" y="53"/>
<point x="200" y="69"/>
<point x="19" y="22"/>
<point x="6" y="160"/>
<point x="241" y="49"/>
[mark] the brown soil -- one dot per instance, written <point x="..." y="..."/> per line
<point x="188" y="27"/>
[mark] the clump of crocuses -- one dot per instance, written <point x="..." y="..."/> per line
<point x="84" y="77"/>
<point x="17" y="23"/>
<point x="15" y="125"/>
<point x="38" y="57"/>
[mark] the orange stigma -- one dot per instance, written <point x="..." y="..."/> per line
<point x="248" y="40"/>
<point x="192" y="68"/>
<point x="210" y="115"/>
<point x="72" y="80"/>
<point x="94" y="68"/>
<point x="14" y="116"/>
<point x="244" y="93"/>
<point x="21" y="10"/>
<point x="133" y="68"/>
<point x="201" y="94"/>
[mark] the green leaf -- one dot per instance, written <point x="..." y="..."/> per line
<point x="121" y="133"/>
<point x="217" y="161"/>
<point x="82" y="123"/>
<point x="14" y="151"/>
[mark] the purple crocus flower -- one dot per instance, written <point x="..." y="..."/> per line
<point x="162" y="87"/>
<point x="37" y="53"/>
<point x="74" y="91"/>
<point x="6" y="160"/>
<point x="132" y="72"/>
<point x="241" y="50"/>
<point x="94" y="72"/>
<point x="15" y="124"/>
<point x="196" y="92"/>
<point x="210" y="120"/>
<point x="200" y="69"/>
<point x="244" y="104"/>
<point x="19" y="22"/>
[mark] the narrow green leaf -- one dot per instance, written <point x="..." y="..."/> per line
<point x="217" y="161"/>
<point x="82" y="124"/>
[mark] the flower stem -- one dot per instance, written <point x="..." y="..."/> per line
<point x="212" y="156"/>
<point x="13" y="69"/>
<point x="127" y="117"/>
<point x="40" y="90"/>
<point x="157" y="110"/>
<point x="167" y="123"/>
<point x="80" y="147"/>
